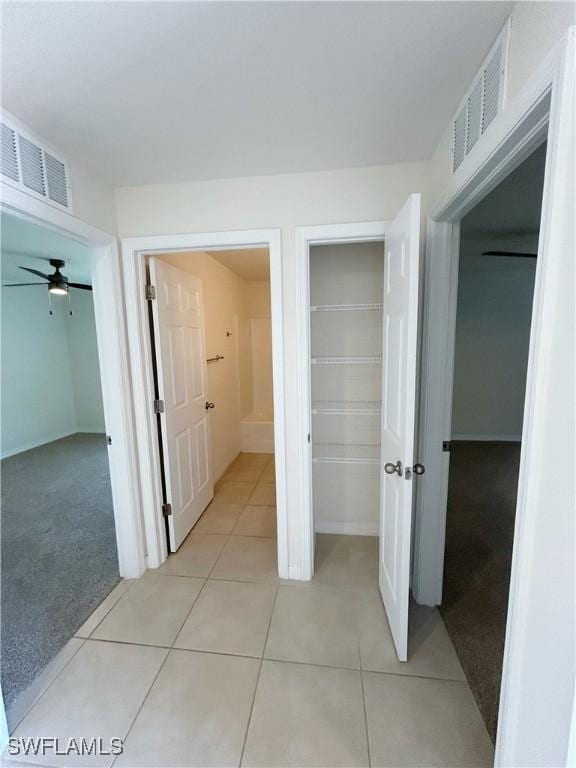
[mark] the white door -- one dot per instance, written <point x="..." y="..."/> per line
<point x="399" y="342"/>
<point x="178" y="313"/>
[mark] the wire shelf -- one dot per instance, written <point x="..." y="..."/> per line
<point x="346" y="407"/>
<point x="346" y="308"/>
<point x="345" y="453"/>
<point x="346" y="360"/>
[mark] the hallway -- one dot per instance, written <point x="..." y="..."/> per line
<point x="221" y="664"/>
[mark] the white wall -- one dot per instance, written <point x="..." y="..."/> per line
<point x="258" y="313"/>
<point x="43" y="398"/>
<point x="492" y="338"/>
<point x="85" y="370"/>
<point x="37" y="390"/>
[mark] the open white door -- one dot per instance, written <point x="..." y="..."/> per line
<point x="178" y="313"/>
<point x="399" y="340"/>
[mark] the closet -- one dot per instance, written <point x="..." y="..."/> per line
<point x="346" y="289"/>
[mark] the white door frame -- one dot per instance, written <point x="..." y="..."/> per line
<point x="513" y="135"/>
<point x="329" y="234"/>
<point x="134" y="252"/>
<point x="542" y="110"/>
<point x="113" y="360"/>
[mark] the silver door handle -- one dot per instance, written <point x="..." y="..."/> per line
<point x="390" y="468"/>
<point x="209" y="405"/>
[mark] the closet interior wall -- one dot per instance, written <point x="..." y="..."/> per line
<point x="346" y="288"/>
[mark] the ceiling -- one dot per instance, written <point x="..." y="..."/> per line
<point x="28" y="245"/>
<point x="151" y="92"/>
<point x="252" y="264"/>
<point x="508" y="218"/>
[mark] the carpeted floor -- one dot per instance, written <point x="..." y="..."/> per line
<point x="479" y="537"/>
<point x="59" y="556"/>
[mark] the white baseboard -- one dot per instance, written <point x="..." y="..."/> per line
<point x="257" y="445"/>
<point x="475" y="438"/>
<point x="349" y="529"/>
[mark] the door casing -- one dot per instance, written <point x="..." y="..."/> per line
<point x="329" y="234"/>
<point x="134" y="253"/>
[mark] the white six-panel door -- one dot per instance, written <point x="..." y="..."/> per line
<point x="399" y="342"/>
<point x="178" y="313"/>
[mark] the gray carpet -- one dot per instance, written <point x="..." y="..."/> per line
<point x="59" y="556"/>
<point x="479" y="537"/>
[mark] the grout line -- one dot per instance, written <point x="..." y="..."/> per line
<point x="357" y="618"/>
<point x="258" y="677"/>
<point x="189" y="612"/>
<point x="152" y="684"/>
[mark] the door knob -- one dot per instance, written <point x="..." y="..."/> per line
<point x="209" y="405"/>
<point x="419" y="469"/>
<point x="390" y="468"/>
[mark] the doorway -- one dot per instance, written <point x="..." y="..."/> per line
<point x="59" y="550"/>
<point x="497" y="265"/>
<point x="370" y="349"/>
<point x="136" y="252"/>
<point x="216" y="436"/>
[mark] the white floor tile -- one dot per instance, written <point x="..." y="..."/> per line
<point x="247" y="558"/>
<point x="430" y="650"/>
<point x="196" y="556"/>
<point x="229" y="617"/>
<point x="196" y="713"/>
<point x="314" y="626"/>
<point x="96" y="696"/>
<point x="152" y="611"/>
<point x="421" y="722"/>
<point x="306" y="716"/>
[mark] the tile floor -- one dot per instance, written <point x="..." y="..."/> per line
<point x="212" y="661"/>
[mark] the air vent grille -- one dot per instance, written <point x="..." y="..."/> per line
<point x="482" y="103"/>
<point x="9" y="165"/>
<point x="56" y="179"/>
<point x="491" y="80"/>
<point x="29" y="166"/>
<point x="32" y="166"/>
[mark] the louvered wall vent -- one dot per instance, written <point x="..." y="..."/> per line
<point x="482" y="102"/>
<point x="29" y="166"/>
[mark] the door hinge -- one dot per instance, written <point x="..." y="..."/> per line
<point x="166" y="510"/>
<point x="108" y="440"/>
<point x="158" y="406"/>
<point x="150" y="293"/>
<point x="446" y="446"/>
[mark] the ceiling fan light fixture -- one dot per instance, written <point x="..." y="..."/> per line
<point x="58" y="289"/>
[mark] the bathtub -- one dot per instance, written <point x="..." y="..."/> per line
<point x="257" y="432"/>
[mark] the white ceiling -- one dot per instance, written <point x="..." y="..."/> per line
<point x="150" y="92"/>
<point x="252" y="264"/>
<point x="28" y="245"/>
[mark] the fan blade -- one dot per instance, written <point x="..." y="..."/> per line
<point x="19" y="285"/>
<point x="511" y="253"/>
<point x="35" y="272"/>
<point x="82" y="286"/>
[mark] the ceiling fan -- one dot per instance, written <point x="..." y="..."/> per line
<point x="57" y="283"/>
<point x="519" y="254"/>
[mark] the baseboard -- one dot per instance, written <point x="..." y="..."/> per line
<point x="349" y="529"/>
<point x="475" y="438"/>
<point x="90" y="431"/>
<point x="37" y="444"/>
<point x="255" y="445"/>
